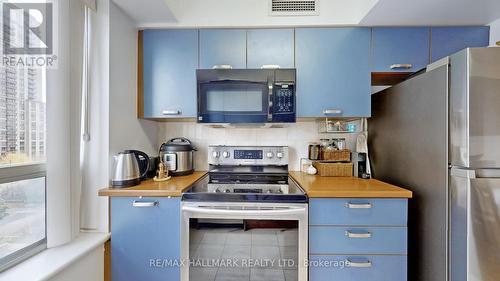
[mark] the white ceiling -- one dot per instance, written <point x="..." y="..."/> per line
<point x="433" y="12"/>
<point x="243" y="13"/>
<point x="235" y="13"/>
<point x="147" y="11"/>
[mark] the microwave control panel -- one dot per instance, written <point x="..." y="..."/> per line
<point x="284" y="98"/>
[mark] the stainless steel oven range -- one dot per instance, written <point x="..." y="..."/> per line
<point x="247" y="220"/>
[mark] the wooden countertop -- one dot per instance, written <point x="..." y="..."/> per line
<point x="173" y="187"/>
<point x="314" y="186"/>
<point x="351" y="187"/>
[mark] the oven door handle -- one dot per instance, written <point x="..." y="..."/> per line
<point x="243" y="212"/>
<point x="234" y="81"/>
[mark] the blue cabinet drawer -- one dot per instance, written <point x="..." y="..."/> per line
<point x="358" y="211"/>
<point x="141" y="233"/>
<point x="358" y="268"/>
<point x="402" y="49"/>
<point x="357" y="240"/>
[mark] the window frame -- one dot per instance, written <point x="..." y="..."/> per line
<point x="19" y="172"/>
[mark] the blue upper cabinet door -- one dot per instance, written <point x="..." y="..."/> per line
<point x="449" y="40"/>
<point x="170" y="60"/>
<point x="403" y="49"/>
<point x="223" y="47"/>
<point x="143" y="231"/>
<point x="333" y="72"/>
<point x="270" y="47"/>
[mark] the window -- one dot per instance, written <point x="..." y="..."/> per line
<point x="22" y="219"/>
<point x="22" y="163"/>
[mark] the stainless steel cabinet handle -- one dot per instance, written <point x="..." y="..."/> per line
<point x="358" y="235"/>
<point x="171" y="112"/>
<point x="359" y="264"/>
<point x="401" y="65"/>
<point x="145" y="203"/>
<point x="222" y="66"/>
<point x="332" y="111"/>
<point x="358" y="205"/>
<point x="243" y="212"/>
<point x="270" y="66"/>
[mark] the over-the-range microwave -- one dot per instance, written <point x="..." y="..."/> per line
<point x="246" y="95"/>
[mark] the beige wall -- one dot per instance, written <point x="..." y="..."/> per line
<point x="494" y="32"/>
<point x="125" y="130"/>
<point x="297" y="136"/>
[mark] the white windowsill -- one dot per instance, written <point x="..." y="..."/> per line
<point x="49" y="262"/>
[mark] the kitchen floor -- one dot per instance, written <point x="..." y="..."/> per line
<point x="261" y="254"/>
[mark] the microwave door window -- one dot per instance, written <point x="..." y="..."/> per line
<point x="236" y="102"/>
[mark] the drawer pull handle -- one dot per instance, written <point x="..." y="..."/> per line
<point x="332" y="111"/>
<point x="358" y="205"/>
<point x="270" y="66"/>
<point x="358" y="235"/>
<point x="171" y="112"/>
<point x="359" y="264"/>
<point x="142" y="204"/>
<point x="222" y="66"/>
<point x="401" y="66"/>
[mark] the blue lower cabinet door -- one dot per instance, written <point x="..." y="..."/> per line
<point x="360" y="240"/>
<point x="145" y="239"/>
<point x="449" y="40"/>
<point x="358" y="268"/>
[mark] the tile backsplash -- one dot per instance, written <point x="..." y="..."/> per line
<point x="296" y="136"/>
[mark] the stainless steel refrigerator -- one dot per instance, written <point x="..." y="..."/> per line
<point x="438" y="134"/>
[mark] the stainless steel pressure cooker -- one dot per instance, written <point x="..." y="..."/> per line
<point x="178" y="155"/>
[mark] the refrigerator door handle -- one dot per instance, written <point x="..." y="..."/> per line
<point x="463" y="173"/>
<point x="492" y="173"/>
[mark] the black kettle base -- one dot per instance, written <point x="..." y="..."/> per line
<point x="183" y="173"/>
<point x="125" y="183"/>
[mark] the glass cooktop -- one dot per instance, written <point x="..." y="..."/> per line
<point x="256" y="189"/>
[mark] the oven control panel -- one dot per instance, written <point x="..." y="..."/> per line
<point x="248" y="155"/>
<point x="248" y="188"/>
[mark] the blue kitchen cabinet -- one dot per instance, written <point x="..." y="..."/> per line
<point x="449" y="40"/>
<point x="333" y="72"/>
<point x="400" y="49"/>
<point x="270" y="47"/>
<point x="170" y="60"/>
<point x="354" y="239"/>
<point x="222" y="47"/>
<point x="145" y="236"/>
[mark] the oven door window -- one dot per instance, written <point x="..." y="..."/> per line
<point x="233" y="101"/>
<point x="242" y="250"/>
